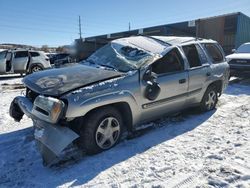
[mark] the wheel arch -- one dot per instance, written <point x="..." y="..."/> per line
<point x="123" y="108"/>
<point x="34" y="64"/>
<point x="218" y="84"/>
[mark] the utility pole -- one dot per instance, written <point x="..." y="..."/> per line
<point x="129" y="26"/>
<point x="80" y="27"/>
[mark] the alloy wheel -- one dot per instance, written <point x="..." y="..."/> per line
<point x="211" y="100"/>
<point x="107" y="133"/>
<point x="36" y="69"/>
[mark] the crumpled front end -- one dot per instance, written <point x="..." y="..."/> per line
<point x="53" y="140"/>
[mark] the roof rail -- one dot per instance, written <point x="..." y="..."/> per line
<point x="158" y="40"/>
<point x="194" y="39"/>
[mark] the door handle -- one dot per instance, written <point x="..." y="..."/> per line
<point x="182" y="81"/>
<point x="208" y="74"/>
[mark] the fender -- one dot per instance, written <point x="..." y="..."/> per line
<point x="78" y="108"/>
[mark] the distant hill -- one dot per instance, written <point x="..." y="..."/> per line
<point x="11" y="46"/>
<point x="44" y="48"/>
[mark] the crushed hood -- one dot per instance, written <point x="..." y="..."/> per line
<point x="55" y="82"/>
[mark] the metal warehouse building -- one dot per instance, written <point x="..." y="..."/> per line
<point x="230" y="30"/>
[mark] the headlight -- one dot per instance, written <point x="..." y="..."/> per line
<point x="48" y="108"/>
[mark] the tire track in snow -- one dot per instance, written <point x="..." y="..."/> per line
<point x="197" y="177"/>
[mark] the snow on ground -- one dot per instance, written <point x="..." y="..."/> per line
<point x="190" y="150"/>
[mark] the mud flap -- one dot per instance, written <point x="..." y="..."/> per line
<point x="52" y="140"/>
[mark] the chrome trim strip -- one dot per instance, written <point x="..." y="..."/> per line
<point x="170" y="99"/>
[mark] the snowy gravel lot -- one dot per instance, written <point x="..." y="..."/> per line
<point x="190" y="150"/>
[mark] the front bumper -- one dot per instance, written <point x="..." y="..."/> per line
<point x="240" y="70"/>
<point x="52" y="139"/>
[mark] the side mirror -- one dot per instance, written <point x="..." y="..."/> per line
<point x="153" y="89"/>
<point x="233" y="50"/>
<point x="147" y="75"/>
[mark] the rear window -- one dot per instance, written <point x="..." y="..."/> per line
<point x="214" y="52"/>
<point x="34" y="54"/>
<point x="21" y="54"/>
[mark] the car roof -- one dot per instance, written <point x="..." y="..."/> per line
<point x="247" y="43"/>
<point x="17" y="50"/>
<point x="176" y="40"/>
<point x="158" y="44"/>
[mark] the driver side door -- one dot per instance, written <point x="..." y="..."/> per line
<point x="170" y="74"/>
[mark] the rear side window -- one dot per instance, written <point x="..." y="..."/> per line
<point x="192" y="55"/>
<point x="170" y="63"/>
<point x="21" y="54"/>
<point x="214" y="52"/>
<point x="34" y="54"/>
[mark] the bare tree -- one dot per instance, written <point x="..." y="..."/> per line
<point x="45" y="48"/>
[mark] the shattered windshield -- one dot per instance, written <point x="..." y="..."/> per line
<point x="120" y="57"/>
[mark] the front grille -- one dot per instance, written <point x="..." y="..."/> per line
<point x="31" y="95"/>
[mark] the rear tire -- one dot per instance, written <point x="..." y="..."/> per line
<point x="209" y="99"/>
<point x="36" y="68"/>
<point x="101" y="131"/>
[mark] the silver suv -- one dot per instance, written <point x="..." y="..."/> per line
<point x="126" y="83"/>
<point x="23" y="61"/>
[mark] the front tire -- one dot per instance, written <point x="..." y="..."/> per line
<point x="210" y="99"/>
<point x="101" y="131"/>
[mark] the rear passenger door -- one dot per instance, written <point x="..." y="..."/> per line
<point x="3" y="61"/>
<point x="20" y="61"/>
<point x="199" y="71"/>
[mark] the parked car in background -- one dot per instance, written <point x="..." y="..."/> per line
<point x="124" y="84"/>
<point x="58" y="56"/>
<point x="239" y="61"/>
<point x="23" y="61"/>
<point x="50" y="55"/>
<point x="64" y="62"/>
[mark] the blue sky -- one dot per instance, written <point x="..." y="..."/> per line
<point x="55" y="22"/>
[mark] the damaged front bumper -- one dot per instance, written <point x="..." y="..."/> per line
<point x="52" y="139"/>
